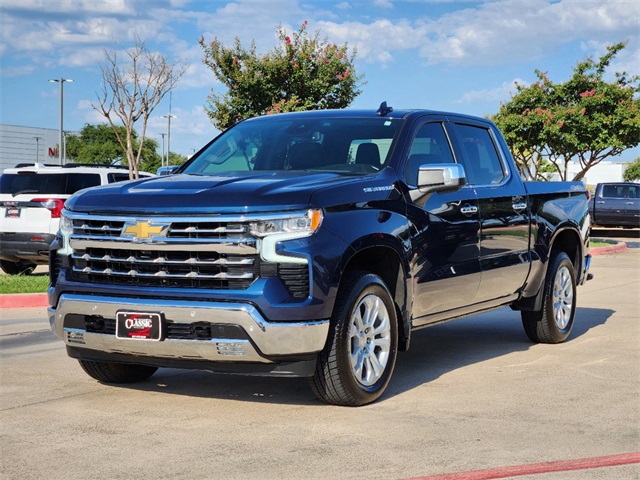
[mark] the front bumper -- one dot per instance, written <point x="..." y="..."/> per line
<point x="265" y="342"/>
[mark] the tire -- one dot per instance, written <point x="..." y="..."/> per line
<point x="553" y="322"/>
<point x="22" y="267"/>
<point x="116" y="372"/>
<point x="349" y="372"/>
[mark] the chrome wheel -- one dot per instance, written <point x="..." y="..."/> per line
<point x="562" y="297"/>
<point x="369" y="340"/>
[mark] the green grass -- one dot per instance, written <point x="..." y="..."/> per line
<point x="24" y="283"/>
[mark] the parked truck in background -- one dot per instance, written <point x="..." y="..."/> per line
<point x="616" y="205"/>
<point x="313" y="244"/>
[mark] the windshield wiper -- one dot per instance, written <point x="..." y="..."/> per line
<point x="23" y="192"/>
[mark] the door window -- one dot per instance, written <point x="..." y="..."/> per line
<point x="430" y="146"/>
<point x="481" y="161"/>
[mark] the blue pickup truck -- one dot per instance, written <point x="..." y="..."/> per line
<point x="616" y="205"/>
<point x="312" y="244"/>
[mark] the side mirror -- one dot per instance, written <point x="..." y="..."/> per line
<point x="167" y="170"/>
<point x="445" y="177"/>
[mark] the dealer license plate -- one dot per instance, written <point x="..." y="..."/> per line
<point x="12" y="212"/>
<point x="139" y="325"/>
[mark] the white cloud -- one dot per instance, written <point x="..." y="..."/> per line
<point x="501" y="93"/>
<point x="491" y="33"/>
<point x="383" y="3"/>
<point x="375" y="41"/>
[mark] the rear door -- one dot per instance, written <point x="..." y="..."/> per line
<point x="504" y="209"/>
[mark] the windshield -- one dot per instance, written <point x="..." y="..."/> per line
<point x="342" y="145"/>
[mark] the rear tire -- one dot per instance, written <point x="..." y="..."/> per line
<point x="357" y="362"/>
<point x="22" y="267"/>
<point x="553" y="322"/>
<point x="116" y="372"/>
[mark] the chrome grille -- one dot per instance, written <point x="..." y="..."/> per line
<point x="203" y="252"/>
<point x="164" y="268"/>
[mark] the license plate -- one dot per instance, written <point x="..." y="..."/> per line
<point x="139" y="325"/>
<point x="12" y="212"/>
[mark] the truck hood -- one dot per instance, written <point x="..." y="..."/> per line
<point x="189" y="194"/>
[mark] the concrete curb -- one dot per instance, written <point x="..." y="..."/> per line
<point x="24" y="300"/>
<point x="617" y="248"/>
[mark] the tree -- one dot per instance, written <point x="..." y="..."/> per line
<point x="585" y="118"/>
<point x="632" y="172"/>
<point x="303" y="72"/>
<point x="131" y="92"/>
<point x="99" y="144"/>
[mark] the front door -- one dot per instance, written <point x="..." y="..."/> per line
<point x="445" y="236"/>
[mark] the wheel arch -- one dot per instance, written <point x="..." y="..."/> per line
<point x="565" y="239"/>
<point x="386" y="262"/>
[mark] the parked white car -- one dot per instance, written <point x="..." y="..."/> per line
<point x="31" y="199"/>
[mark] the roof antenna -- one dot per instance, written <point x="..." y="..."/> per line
<point x="384" y="109"/>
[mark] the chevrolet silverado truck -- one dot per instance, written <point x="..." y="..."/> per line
<point x="312" y="244"/>
<point x="616" y="205"/>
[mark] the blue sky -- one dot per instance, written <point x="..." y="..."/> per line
<point x="452" y="55"/>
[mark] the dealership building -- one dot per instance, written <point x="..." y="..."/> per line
<point x="27" y="145"/>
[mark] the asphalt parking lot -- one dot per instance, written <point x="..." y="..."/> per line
<point x="470" y="395"/>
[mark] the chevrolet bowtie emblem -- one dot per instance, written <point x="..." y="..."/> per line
<point x="144" y="230"/>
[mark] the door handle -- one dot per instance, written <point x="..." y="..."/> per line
<point x="469" y="210"/>
<point x="519" y="206"/>
<point x="600" y="202"/>
<point x="629" y="203"/>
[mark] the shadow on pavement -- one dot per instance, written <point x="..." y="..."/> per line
<point x="434" y="352"/>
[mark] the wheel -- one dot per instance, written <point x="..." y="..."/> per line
<point x="553" y="322"/>
<point x="116" y="372"/>
<point x="22" y="267"/>
<point x="357" y="362"/>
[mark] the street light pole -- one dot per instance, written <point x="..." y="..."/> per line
<point x="60" y="146"/>
<point x="162" y="161"/>
<point x="168" y="117"/>
<point x="37" y="149"/>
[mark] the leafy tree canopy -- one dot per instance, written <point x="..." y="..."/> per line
<point x="303" y="72"/>
<point x="632" y="172"/>
<point x="585" y="118"/>
<point x="99" y="144"/>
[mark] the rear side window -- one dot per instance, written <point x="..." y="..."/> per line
<point x="621" y="191"/>
<point x="118" y="177"/>
<point x="481" y="161"/>
<point x="430" y="146"/>
<point x="47" y="183"/>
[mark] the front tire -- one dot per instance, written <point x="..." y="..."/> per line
<point x="108" y="372"/>
<point x="357" y="362"/>
<point x="553" y="322"/>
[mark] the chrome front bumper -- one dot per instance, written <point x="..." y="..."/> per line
<point x="268" y="339"/>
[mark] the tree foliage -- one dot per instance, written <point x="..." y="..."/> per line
<point x="98" y="144"/>
<point x="131" y="91"/>
<point x="303" y="72"/>
<point x="632" y="172"/>
<point x="585" y="118"/>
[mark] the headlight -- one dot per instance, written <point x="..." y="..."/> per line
<point x="298" y="226"/>
<point x="280" y="229"/>
<point x="66" y="224"/>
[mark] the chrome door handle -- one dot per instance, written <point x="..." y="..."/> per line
<point x="469" y="210"/>
<point x="629" y="203"/>
<point x="519" y="206"/>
